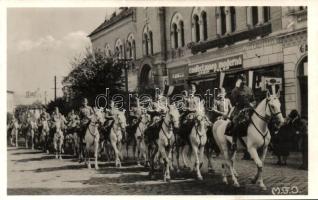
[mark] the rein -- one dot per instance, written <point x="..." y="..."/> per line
<point x="168" y="127"/>
<point x="266" y="120"/>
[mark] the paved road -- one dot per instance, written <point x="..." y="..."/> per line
<point x="31" y="172"/>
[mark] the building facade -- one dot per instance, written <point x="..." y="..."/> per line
<point x="211" y="46"/>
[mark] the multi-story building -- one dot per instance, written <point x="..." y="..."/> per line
<point x="211" y="46"/>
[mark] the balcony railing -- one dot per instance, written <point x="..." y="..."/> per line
<point x="231" y="39"/>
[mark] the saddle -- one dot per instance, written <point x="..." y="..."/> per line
<point x="241" y="122"/>
<point x="152" y="132"/>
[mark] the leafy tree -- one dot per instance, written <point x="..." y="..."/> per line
<point x="90" y="76"/>
<point x="64" y="107"/>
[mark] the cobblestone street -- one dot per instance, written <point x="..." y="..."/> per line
<point x="32" y="172"/>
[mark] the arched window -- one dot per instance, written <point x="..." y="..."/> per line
<point x="131" y="48"/>
<point x="175" y="35"/>
<point x="119" y="49"/>
<point x="151" y="42"/>
<point x="107" y="50"/>
<point x="177" y="31"/>
<point x="254" y="15"/>
<point x="223" y="20"/>
<point x="267" y="14"/>
<point x="182" y="32"/>
<point x="134" y="49"/>
<point x="146" y="44"/>
<point x="196" y="28"/>
<point x="205" y="25"/>
<point x="148" y="40"/>
<point x="233" y="19"/>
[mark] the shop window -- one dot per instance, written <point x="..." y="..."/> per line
<point x="223" y="20"/>
<point x="254" y="15"/>
<point x="205" y="25"/>
<point x="182" y="33"/>
<point x="303" y="86"/>
<point x="196" y="28"/>
<point x="267" y="14"/>
<point x="233" y="18"/>
<point x="175" y="35"/>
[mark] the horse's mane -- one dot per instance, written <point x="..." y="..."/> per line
<point x="201" y="109"/>
<point x="173" y="109"/>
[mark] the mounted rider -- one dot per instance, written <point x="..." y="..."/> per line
<point x="158" y="108"/>
<point x="57" y="116"/>
<point x="222" y="105"/>
<point x="73" y="121"/>
<point x="244" y="102"/>
<point x="190" y="105"/>
<point x="85" y="114"/>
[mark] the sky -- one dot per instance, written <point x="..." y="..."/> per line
<point x="41" y="43"/>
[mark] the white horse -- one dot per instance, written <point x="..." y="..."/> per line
<point x="91" y="138"/>
<point x="166" y="141"/>
<point x="140" y="137"/>
<point x="116" y="134"/>
<point x="45" y="134"/>
<point x="15" y="133"/>
<point x="58" y="138"/>
<point x="31" y="128"/>
<point x="198" y="139"/>
<point x="258" y="137"/>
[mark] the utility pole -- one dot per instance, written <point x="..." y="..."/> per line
<point x="55" y="88"/>
<point x="45" y="95"/>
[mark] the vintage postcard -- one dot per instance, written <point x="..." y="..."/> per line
<point x="158" y="100"/>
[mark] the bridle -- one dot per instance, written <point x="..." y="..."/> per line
<point x="265" y="119"/>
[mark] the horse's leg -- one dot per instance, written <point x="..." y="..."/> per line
<point x="261" y="183"/>
<point x="232" y="163"/>
<point x="96" y="153"/>
<point x="16" y="138"/>
<point x="197" y="161"/>
<point x="55" y="146"/>
<point x="32" y="138"/>
<point x="120" y="153"/>
<point x="114" y="145"/>
<point x="163" y="153"/>
<point x="259" y="164"/>
<point x="60" y="147"/>
<point x="230" y="166"/>
<point x="137" y="151"/>
<point x="184" y="157"/>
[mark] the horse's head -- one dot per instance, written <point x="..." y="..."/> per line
<point x="145" y="118"/>
<point x="273" y="104"/>
<point x="201" y="117"/>
<point x="99" y="116"/>
<point x="120" y="119"/>
<point x="174" y="115"/>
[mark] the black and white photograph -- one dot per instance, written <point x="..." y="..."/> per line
<point x="158" y="100"/>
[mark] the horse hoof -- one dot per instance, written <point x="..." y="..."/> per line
<point x="97" y="168"/>
<point x="263" y="187"/>
<point x="200" y="178"/>
<point x="236" y="184"/>
<point x="225" y="181"/>
<point x="61" y="158"/>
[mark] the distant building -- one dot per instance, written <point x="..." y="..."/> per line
<point x="10" y="101"/>
<point x="211" y="46"/>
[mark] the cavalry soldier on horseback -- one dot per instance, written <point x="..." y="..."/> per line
<point x="191" y="104"/>
<point x="85" y="115"/>
<point x="159" y="108"/>
<point x="243" y="100"/>
<point x="222" y="105"/>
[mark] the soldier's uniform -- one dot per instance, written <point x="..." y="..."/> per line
<point x="242" y="97"/>
<point x="222" y="107"/>
<point x="85" y="116"/>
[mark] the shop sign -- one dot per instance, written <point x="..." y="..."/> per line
<point x="216" y="65"/>
<point x="177" y="74"/>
